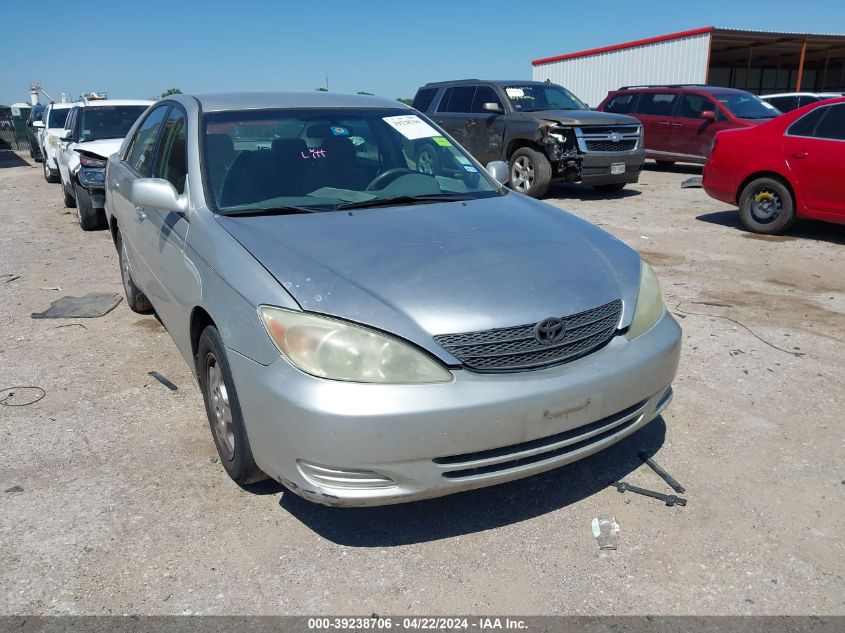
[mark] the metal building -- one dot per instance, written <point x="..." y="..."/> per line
<point x="758" y="61"/>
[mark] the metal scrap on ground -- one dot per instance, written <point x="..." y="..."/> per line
<point x="92" y="305"/>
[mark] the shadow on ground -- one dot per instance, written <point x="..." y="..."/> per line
<point x="803" y="229"/>
<point x="575" y="191"/>
<point x="9" y="158"/>
<point x="477" y="510"/>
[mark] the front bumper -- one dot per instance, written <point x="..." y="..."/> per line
<point x="595" y="167"/>
<point x="432" y="440"/>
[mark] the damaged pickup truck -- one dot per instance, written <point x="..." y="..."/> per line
<point x="542" y="130"/>
<point x="94" y="130"/>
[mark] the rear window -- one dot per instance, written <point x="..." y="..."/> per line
<point x="621" y="104"/>
<point x="423" y="98"/>
<point x="656" y="103"/>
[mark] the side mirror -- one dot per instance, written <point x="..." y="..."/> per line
<point x="38" y="124"/>
<point x="157" y="193"/>
<point x="710" y="115"/>
<point x="66" y="135"/>
<point x="499" y="170"/>
<point x="491" y="107"/>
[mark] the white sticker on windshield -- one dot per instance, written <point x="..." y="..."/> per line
<point x="411" y="126"/>
<point x="515" y="93"/>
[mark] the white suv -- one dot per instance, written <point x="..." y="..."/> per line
<point x="49" y="137"/>
<point x="94" y="130"/>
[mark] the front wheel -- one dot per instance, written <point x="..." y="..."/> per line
<point x="766" y="206"/>
<point x="90" y="218"/>
<point x="69" y="200"/>
<point x="49" y="175"/>
<point x="136" y="299"/>
<point x="224" y="410"/>
<point x="531" y="172"/>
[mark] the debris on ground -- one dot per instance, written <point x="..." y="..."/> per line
<point x="692" y="183"/>
<point x="90" y="306"/>
<point x="163" y="380"/>
<point x="669" y="500"/>
<point x="673" y="483"/>
<point x="14" y="488"/>
<point x="21" y="396"/>
<point x="606" y="531"/>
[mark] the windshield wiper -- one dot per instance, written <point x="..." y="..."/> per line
<point x="272" y="211"/>
<point x="399" y="200"/>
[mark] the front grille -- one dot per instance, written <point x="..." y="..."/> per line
<point x="624" y="145"/>
<point x="516" y="348"/>
<point x="609" y="129"/>
<point x="531" y="452"/>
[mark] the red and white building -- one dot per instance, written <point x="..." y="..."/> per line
<point x="758" y="61"/>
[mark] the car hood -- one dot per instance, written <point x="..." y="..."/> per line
<point x="422" y="270"/>
<point x="582" y="117"/>
<point x="102" y="147"/>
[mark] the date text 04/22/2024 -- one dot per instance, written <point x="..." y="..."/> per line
<point x="415" y="623"/>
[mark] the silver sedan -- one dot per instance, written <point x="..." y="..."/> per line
<point x="366" y="330"/>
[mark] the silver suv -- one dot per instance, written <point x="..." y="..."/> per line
<point x="544" y="132"/>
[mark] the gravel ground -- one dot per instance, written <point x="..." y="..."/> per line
<point x="124" y="508"/>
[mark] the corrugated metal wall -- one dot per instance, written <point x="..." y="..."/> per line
<point x="590" y="78"/>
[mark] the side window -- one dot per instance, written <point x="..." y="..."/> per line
<point x="656" y="103"/>
<point x="70" y="119"/>
<point x="832" y="124"/>
<point x="423" y="98"/>
<point x="621" y="104"/>
<point x="806" y="124"/>
<point x="459" y="99"/>
<point x="172" y="158"/>
<point x="785" y="104"/>
<point x="485" y="94"/>
<point x="692" y="106"/>
<point x="141" y="153"/>
<point x="802" y="101"/>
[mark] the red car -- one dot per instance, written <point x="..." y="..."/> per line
<point x="679" y="122"/>
<point x="792" y="167"/>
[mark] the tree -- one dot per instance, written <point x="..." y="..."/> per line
<point x="170" y="91"/>
<point x="405" y="101"/>
<point x="369" y="94"/>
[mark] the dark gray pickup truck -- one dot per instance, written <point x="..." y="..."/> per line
<point x="542" y="130"/>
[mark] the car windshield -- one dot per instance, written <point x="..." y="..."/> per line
<point x="58" y="117"/>
<point x="320" y="159"/>
<point x="543" y="97"/>
<point x="747" y="106"/>
<point x="101" y="122"/>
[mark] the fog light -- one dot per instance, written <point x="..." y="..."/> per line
<point x="346" y="478"/>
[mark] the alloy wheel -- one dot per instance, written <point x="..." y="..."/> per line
<point x="221" y="411"/>
<point x="425" y="162"/>
<point x="522" y="174"/>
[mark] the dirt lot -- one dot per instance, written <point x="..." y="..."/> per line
<point x="124" y="509"/>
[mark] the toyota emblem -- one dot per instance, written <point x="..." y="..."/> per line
<point x="549" y="331"/>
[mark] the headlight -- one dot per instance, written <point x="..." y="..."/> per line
<point x="336" y="350"/>
<point x="650" y="306"/>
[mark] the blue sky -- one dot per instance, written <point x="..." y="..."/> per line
<point x="138" y="49"/>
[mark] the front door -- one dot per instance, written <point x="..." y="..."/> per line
<point x="815" y="151"/>
<point x="692" y="135"/>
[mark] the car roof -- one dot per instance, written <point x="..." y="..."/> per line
<point x="828" y="95"/>
<point x="495" y="82"/>
<point x="63" y="106"/>
<point x="221" y="101"/>
<point x="113" y="102"/>
<point x="688" y="88"/>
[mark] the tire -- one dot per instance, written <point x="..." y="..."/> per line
<point x="531" y="172"/>
<point x="612" y="187"/>
<point x="664" y="164"/>
<point x="766" y="206"/>
<point x="135" y="299"/>
<point x="427" y="160"/>
<point x="224" y="410"/>
<point x="90" y="219"/>
<point x="69" y="200"/>
<point x="49" y="175"/>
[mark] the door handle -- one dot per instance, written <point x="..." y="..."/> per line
<point x="471" y="123"/>
<point x="799" y="155"/>
<point x="664" y="123"/>
<point x="140" y="213"/>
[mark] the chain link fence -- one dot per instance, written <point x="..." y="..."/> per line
<point x="13" y="130"/>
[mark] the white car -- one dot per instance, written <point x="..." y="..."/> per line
<point x="94" y="130"/>
<point x="55" y="117"/>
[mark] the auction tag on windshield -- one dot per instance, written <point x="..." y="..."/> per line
<point x="442" y="142"/>
<point x="515" y="92"/>
<point x="411" y="126"/>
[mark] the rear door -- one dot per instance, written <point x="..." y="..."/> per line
<point x="485" y="130"/>
<point x="136" y="163"/>
<point x="691" y="135"/>
<point x="455" y="110"/>
<point x="815" y="151"/>
<point x="655" y="110"/>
